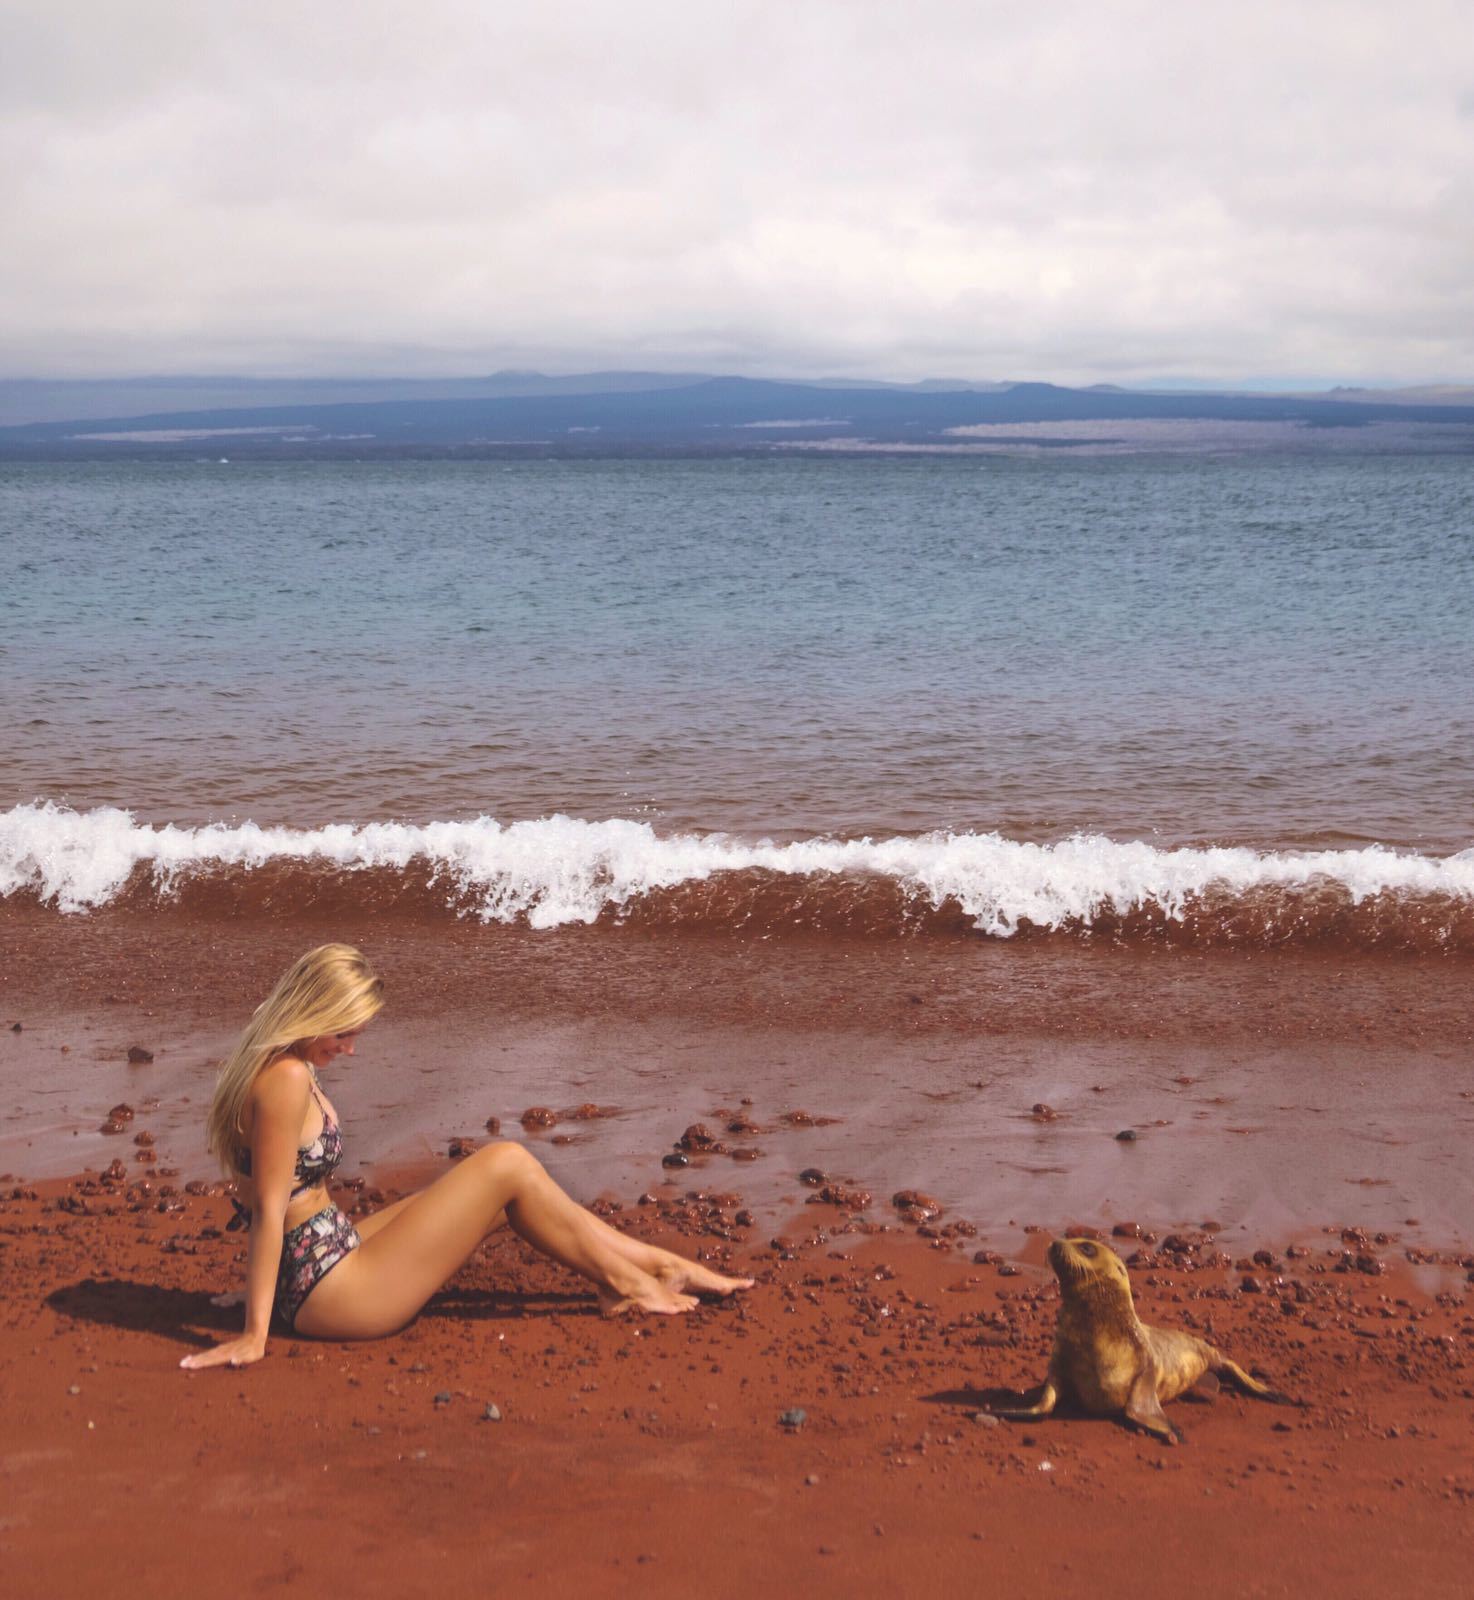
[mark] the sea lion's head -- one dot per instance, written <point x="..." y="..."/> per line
<point x="1087" y="1267"/>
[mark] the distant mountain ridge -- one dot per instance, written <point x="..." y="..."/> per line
<point x="37" y="400"/>
<point x="621" y="412"/>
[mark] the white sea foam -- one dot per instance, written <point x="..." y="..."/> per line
<point x="560" y="870"/>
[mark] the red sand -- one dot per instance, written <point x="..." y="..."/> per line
<point x="648" y="1456"/>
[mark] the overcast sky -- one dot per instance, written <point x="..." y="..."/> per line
<point x="1112" y="190"/>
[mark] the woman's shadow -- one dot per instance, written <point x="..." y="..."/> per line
<point x="177" y="1314"/>
<point x="191" y="1317"/>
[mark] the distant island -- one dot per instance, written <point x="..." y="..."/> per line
<point x="530" y="415"/>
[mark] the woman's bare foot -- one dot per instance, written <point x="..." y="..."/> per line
<point x="675" y="1272"/>
<point x="652" y="1297"/>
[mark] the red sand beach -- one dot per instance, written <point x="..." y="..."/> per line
<point x="1298" y="1181"/>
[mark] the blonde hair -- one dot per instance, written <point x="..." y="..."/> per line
<point x="331" y="989"/>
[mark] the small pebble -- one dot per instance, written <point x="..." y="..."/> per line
<point x="1126" y="1136"/>
<point x="75" y="1388"/>
<point x="812" y="1479"/>
<point x="492" y="1413"/>
<point x="794" y="1418"/>
<point x="139" y="1056"/>
<point x="443" y="1398"/>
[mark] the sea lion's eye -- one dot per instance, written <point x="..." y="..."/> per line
<point x="1087" y="1249"/>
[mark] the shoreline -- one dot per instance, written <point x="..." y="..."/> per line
<point x="1280" y="1093"/>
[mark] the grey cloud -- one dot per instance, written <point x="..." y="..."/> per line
<point x="1072" y="191"/>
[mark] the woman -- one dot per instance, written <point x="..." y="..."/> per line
<point x="273" y="1127"/>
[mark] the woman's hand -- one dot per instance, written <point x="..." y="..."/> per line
<point x="234" y="1352"/>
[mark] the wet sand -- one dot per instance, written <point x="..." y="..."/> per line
<point x="1313" y="1108"/>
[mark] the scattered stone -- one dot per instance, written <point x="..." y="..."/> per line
<point x="143" y="1137"/>
<point x="746" y="1153"/>
<point x="443" y="1398"/>
<point x="793" y="1419"/>
<point x="813" y="1176"/>
<point x="1127" y="1230"/>
<point x="1043" y="1113"/>
<point x="812" y="1480"/>
<point x="698" y="1138"/>
<point x="1126" y="1136"/>
<point x="538" y="1117"/>
<point x="1211" y="1226"/>
<point x="493" y="1126"/>
<point x="122" y="1112"/>
<point x="492" y="1413"/>
<point x="675" y="1158"/>
<point x="985" y="1419"/>
<point x="112" y="1125"/>
<point x="138" y="1056"/>
<point x="15" y="1027"/>
<point x="460" y="1148"/>
<point x="916" y="1206"/>
<point x="74" y="1388"/>
<point x="846" y="1197"/>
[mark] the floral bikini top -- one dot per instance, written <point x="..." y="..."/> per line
<point x="316" y="1162"/>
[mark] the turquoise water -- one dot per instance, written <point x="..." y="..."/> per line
<point x="1275" y="652"/>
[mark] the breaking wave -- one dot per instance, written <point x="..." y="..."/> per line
<point x="559" y="871"/>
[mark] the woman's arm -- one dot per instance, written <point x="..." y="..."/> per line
<point x="280" y="1101"/>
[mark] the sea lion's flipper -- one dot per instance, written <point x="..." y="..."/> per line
<point x="1038" y="1402"/>
<point x="1144" y="1410"/>
<point x="1241" y="1380"/>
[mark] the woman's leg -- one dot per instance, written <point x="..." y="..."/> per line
<point x="399" y="1265"/>
<point x="675" y="1272"/>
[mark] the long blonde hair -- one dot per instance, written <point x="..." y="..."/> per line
<point x="331" y="989"/>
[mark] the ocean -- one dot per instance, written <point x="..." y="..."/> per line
<point x="1210" y="698"/>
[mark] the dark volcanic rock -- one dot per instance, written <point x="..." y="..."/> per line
<point x="138" y="1056"/>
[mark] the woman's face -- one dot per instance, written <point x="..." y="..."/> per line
<point x="326" y="1047"/>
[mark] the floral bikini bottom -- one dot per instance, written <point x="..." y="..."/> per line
<point x="309" y="1253"/>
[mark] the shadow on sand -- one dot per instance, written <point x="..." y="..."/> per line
<point x="188" y="1317"/>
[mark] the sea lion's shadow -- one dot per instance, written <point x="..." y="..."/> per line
<point x="978" y="1399"/>
<point x="1008" y="1400"/>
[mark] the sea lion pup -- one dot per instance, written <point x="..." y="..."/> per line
<point x="1107" y="1360"/>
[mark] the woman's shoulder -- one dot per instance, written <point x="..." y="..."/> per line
<point x="284" y="1081"/>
